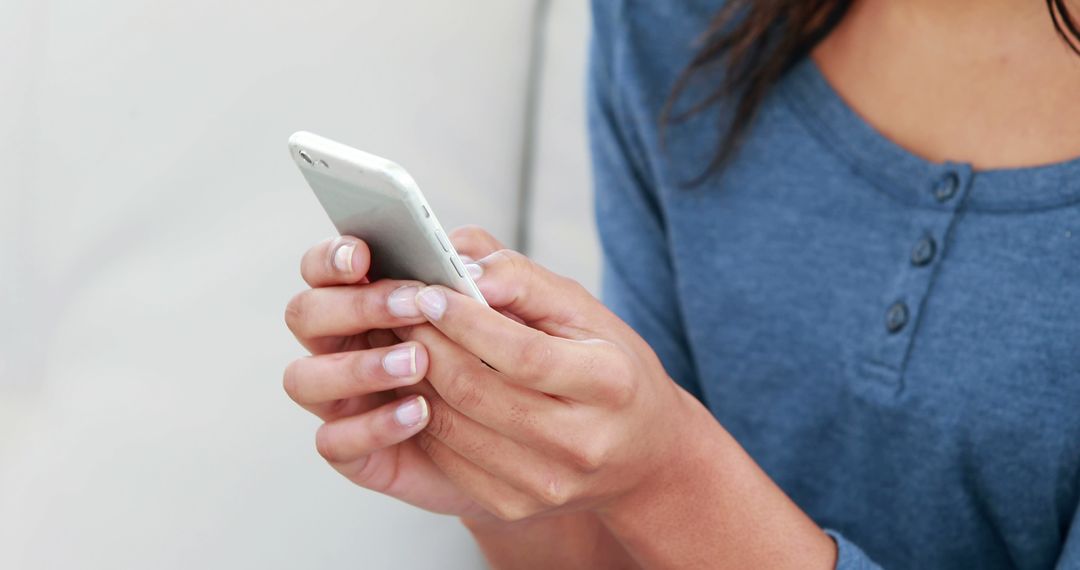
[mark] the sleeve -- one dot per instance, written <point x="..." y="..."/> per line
<point x="638" y="281"/>
<point x="849" y="556"/>
<point x="1070" y="554"/>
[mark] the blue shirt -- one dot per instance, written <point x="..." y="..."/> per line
<point x="896" y="342"/>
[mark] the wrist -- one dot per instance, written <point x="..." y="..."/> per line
<point x="482" y="525"/>
<point x="691" y="461"/>
<point x="573" y="540"/>
<point x="711" y="505"/>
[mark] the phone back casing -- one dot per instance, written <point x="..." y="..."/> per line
<point x="377" y="201"/>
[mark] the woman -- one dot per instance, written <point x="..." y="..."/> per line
<point x="845" y="288"/>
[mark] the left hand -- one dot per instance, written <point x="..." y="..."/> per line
<point x="549" y="403"/>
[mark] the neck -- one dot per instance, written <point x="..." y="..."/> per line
<point x="973" y="30"/>
<point x="983" y="81"/>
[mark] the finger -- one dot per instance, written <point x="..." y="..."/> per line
<point x="321" y="379"/>
<point x="406" y="473"/>
<point x="376" y="338"/>
<point x="496" y="496"/>
<point x="337" y="261"/>
<point x="525" y="469"/>
<point x="525" y="356"/>
<point x="351" y="438"/>
<point x="543" y="299"/>
<point x="460" y="380"/>
<point x="351" y="310"/>
<point x="349" y="407"/>
<point x="474" y="242"/>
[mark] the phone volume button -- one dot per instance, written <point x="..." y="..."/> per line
<point x="442" y="241"/>
<point x="457" y="267"/>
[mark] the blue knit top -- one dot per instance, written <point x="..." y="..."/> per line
<point x="896" y="342"/>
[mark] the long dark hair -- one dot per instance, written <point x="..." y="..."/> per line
<point x="752" y="43"/>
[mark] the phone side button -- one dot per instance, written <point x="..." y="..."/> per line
<point x="442" y="241"/>
<point x="457" y="267"/>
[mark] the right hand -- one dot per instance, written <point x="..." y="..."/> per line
<point x="357" y="363"/>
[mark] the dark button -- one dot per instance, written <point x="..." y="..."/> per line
<point x="897" y="317"/>
<point x="923" y="252"/>
<point x="946" y="187"/>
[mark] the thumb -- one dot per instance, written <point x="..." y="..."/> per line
<point x="542" y="299"/>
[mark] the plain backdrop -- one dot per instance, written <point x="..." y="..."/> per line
<point x="151" y="226"/>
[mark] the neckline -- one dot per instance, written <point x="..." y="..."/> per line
<point x="910" y="178"/>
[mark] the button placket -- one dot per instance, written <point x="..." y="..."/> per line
<point x="924" y="250"/>
<point x="896" y="318"/>
<point x="901" y="305"/>
<point x="946" y="187"/>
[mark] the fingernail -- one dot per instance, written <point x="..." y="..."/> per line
<point x="432" y="303"/>
<point x="343" y="256"/>
<point x="402" y="302"/>
<point x="466" y="259"/>
<point x="400" y="362"/>
<point x="412" y="412"/>
<point x="474" y="270"/>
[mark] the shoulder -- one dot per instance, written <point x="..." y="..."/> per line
<point x="639" y="49"/>
<point x="652" y="29"/>
<point x="677" y="13"/>
<point x="643" y="45"/>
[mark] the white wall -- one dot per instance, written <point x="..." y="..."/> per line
<point x="563" y="235"/>
<point x="151" y="225"/>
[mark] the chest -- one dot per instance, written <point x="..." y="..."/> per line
<point x="800" y="270"/>
<point x="790" y="276"/>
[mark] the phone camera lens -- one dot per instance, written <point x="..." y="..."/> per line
<point x="307" y="157"/>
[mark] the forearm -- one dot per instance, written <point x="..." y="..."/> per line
<point x="571" y="541"/>
<point x="717" y="509"/>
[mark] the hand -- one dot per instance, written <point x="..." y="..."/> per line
<point x="357" y="364"/>
<point x="549" y="404"/>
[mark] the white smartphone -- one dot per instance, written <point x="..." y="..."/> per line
<point x="377" y="201"/>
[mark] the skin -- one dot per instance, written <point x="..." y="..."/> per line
<point x="986" y="82"/>
<point x="570" y="447"/>
<point x="571" y="433"/>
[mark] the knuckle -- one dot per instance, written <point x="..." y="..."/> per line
<point x="522" y="417"/>
<point x="361" y="305"/>
<point x="426" y="443"/>
<point x="360" y="371"/>
<point x="464" y="392"/>
<point x="618" y="386"/>
<point x="620" y="391"/>
<point x="512" y="511"/>
<point x="363" y="472"/>
<point x="441" y="425"/>
<point x="290" y="382"/>
<point x="340" y="408"/>
<point x="326" y="444"/>
<point x="514" y="260"/>
<point x="572" y="286"/>
<point x="590" y="456"/>
<point x="553" y="493"/>
<point x="534" y="356"/>
<point x="295" y="312"/>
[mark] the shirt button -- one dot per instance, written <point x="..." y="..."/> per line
<point x="923" y="252"/>
<point x="896" y="318"/>
<point x="946" y="187"/>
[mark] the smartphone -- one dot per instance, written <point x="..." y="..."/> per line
<point x="377" y="201"/>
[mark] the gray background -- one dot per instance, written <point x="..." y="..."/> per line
<point x="151" y="225"/>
